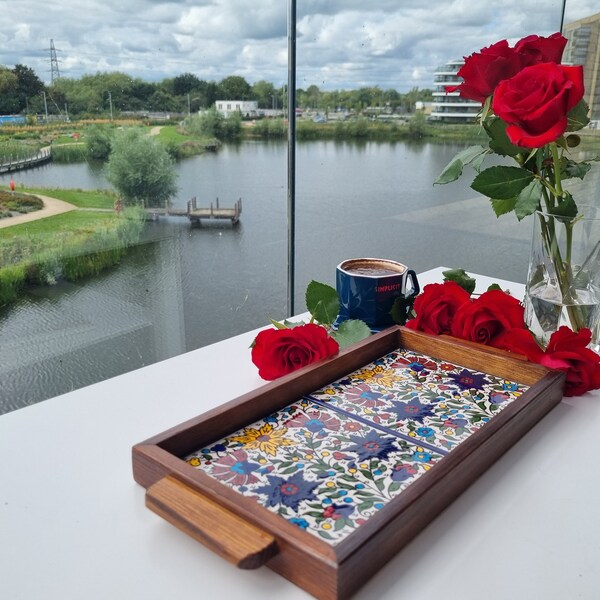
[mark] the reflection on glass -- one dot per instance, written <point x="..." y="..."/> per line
<point x="365" y="75"/>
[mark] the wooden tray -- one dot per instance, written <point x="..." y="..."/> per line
<point x="326" y="473"/>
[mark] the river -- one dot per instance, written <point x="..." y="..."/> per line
<point x="184" y="287"/>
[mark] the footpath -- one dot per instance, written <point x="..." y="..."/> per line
<point x="52" y="207"/>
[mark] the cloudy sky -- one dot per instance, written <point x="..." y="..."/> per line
<point x="341" y="44"/>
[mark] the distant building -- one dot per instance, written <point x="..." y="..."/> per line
<point x="450" y="107"/>
<point x="247" y="108"/>
<point x="583" y="48"/>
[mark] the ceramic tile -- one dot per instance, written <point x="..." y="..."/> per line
<point x="324" y="471"/>
<point x="429" y="401"/>
<point x="329" y="461"/>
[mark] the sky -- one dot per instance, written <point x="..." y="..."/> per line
<point x="341" y="44"/>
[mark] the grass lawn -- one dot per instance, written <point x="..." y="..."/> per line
<point x="77" y="222"/>
<point x="171" y="133"/>
<point x="80" y="198"/>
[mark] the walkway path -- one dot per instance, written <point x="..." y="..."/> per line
<point x="52" y="207"/>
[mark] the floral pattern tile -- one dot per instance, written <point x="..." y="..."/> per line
<point x="325" y="472"/>
<point x="428" y="400"/>
<point x="331" y="460"/>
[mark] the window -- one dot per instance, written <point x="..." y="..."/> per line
<point x="182" y="285"/>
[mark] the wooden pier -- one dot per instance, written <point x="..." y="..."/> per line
<point x="43" y="156"/>
<point x="196" y="215"/>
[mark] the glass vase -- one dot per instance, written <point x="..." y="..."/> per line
<point x="563" y="284"/>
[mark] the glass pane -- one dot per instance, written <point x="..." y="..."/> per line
<point x="178" y="287"/>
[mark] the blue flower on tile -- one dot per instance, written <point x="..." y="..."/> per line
<point x="467" y="380"/>
<point x="414" y="410"/>
<point x="337" y="511"/>
<point x="425" y="431"/>
<point x="499" y="397"/>
<point x="288" y="492"/>
<point x="372" y="445"/>
<point x="509" y="386"/>
<point x="402" y="472"/>
<point x="422" y="457"/>
<point x="302" y="523"/>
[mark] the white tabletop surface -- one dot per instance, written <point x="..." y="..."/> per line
<point x="73" y="525"/>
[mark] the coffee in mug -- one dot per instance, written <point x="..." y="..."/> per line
<point x="368" y="288"/>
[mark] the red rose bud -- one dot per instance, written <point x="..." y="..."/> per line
<point x="566" y="351"/>
<point x="487" y="319"/>
<point x="436" y="306"/>
<point x="277" y="352"/>
<point x="535" y="102"/>
<point x="534" y="49"/>
<point x="483" y="70"/>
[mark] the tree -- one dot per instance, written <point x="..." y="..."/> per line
<point x="141" y="170"/>
<point x="184" y="84"/>
<point x="234" y="87"/>
<point x="98" y="142"/>
<point x="29" y="85"/>
<point x="264" y="93"/>
<point x="9" y="97"/>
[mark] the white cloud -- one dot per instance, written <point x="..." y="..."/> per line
<point x="340" y="43"/>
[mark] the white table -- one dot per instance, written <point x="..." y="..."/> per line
<point x="73" y="525"/>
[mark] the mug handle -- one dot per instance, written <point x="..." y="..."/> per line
<point x="415" y="283"/>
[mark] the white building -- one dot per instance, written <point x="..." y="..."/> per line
<point x="449" y="106"/>
<point x="247" y="108"/>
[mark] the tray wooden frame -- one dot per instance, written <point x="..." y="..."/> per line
<point x="248" y="534"/>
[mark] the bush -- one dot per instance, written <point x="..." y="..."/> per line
<point x="141" y="169"/>
<point x="12" y="279"/>
<point x="98" y="141"/>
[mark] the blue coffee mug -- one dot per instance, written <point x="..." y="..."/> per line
<point x="368" y="289"/>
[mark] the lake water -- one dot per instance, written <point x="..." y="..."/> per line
<point x="186" y="287"/>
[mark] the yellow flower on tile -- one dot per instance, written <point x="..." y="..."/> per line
<point x="195" y="461"/>
<point x="264" y="439"/>
<point x="378" y="374"/>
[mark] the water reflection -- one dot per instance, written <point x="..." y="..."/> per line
<point x="185" y="287"/>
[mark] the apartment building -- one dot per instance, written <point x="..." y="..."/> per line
<point x="583" y="48"/>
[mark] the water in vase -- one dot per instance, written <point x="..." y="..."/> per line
<point x="545" y="313"/>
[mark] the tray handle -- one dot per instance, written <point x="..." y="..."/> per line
<point x="220" y="530"/>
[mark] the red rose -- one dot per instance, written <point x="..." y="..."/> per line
<point x="566" y="351"/>
<point x="535" y="102"/>
<point x="483" y="70"/>
<point x="488" y="318"/>
<point x="277" y="352"/>
<point x="436" y="306"/>
<point x="534" y="49"/>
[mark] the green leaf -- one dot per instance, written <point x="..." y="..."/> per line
<point x="278" y="324"/>
<point x="502" y="182"/>
<point x="461" y="277"/>
<point x="528" y="201"/>
<point x="566" y="208"/>
<point x="401" y="309"/>
<point x="322" y="302"/>
<point x="499" y="142"/>
<point x="351" y="331"/>
<point x="494" y="286"/>
<point x="577" y="118"/>
<point x="575" y="169"/>
<point x="455" y="167"/>
<point x="503" y="207"/>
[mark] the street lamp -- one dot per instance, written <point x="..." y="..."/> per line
<point x="45" y="106"/>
